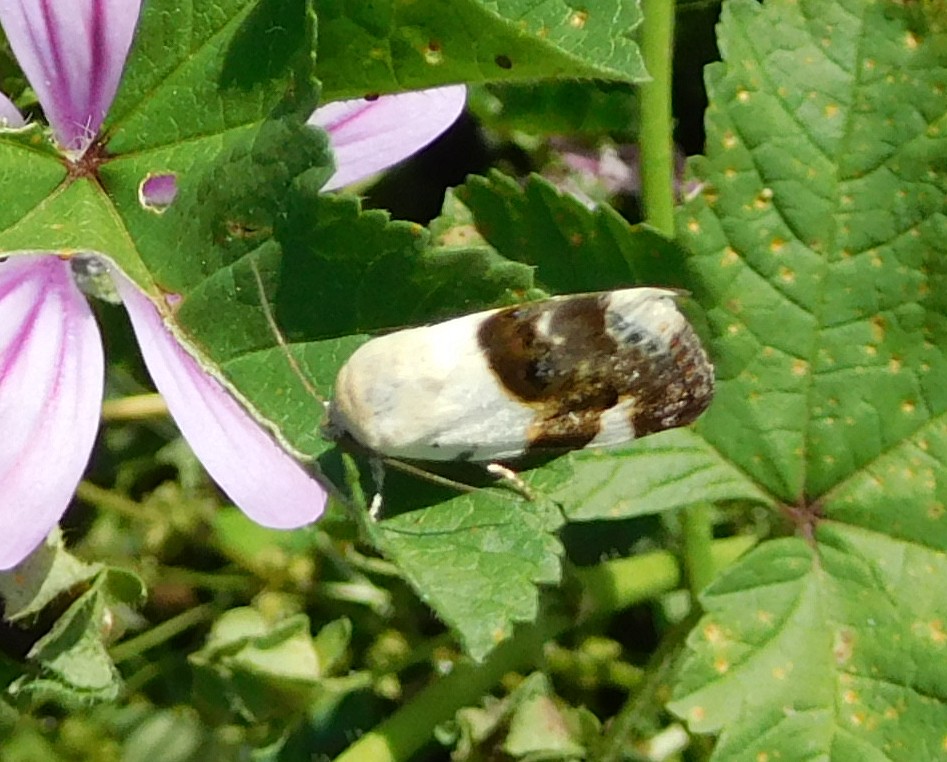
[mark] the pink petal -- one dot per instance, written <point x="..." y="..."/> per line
<point x="368" y="136"/>
<point x="72" y="52"/>
<point x="256" y="473"/>
<point x="51" y="378"/>
<point x="10" y="115"/>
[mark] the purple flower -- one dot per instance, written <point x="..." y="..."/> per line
<point x="51" y="358"/>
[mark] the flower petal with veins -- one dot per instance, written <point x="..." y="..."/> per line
<point x="51" y="383"/>
<point x="259" y="476"/>
<point x="369" y="135"/>
<point x="72" y="54"/>
<point x="10" y="115"/>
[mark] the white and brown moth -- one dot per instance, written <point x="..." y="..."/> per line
<point x="569" y="372"/>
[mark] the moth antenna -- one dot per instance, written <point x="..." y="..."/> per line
<point x="278" y="334"/>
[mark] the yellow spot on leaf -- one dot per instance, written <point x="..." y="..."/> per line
<point x="879" y="328"/>
<point x="787" y="275"/>
<point x="908" y="407"/>
<point x="577" y="20"/>
<point x="693" y="226"/>
<point x="743" y="95"/>
<point x="729" y="140"/>
<point x="850" y="697"/>
<point x="894" y="365"/>
<point x="730" y="257"/>
<point x="697" y="714"/>
<point x="871" y="350"/>
<point x="433" y="53"/>
<point x="831" y="110"/>
<point x="721" y="665"/>
<point x="911" y="41"/>
<point x="937" y="633"/>
<point x="843" y="647"/>
<point x="800" y="367"/>
<point x="777" y="245"/>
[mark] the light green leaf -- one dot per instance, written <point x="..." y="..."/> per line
<point x="263" y="669"/>
<point x="72" y="660"/>
<point x="46" y="573"/>
<point x="832" y="649"/>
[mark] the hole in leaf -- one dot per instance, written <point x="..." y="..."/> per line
<point x="157" y="191"/>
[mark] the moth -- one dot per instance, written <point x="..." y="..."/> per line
<point x="569" y="372"/>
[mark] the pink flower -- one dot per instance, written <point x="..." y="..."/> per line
<point x="51" y="357"/>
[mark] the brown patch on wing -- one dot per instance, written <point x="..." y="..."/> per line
<point x="575" y="369"/>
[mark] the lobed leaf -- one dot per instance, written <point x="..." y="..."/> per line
<point x="819" y="237"/>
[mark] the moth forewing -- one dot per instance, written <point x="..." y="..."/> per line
<point x="569" y="372"/>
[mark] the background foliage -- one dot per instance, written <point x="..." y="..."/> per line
<point x="764" y="585"/>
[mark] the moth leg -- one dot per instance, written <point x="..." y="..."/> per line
<point x="512" y="479"/>
<point x="378" y="478"/>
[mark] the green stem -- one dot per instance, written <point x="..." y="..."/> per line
<point x="698" y="556"/>
<point x="108" y="500"/>
<point x="139" y="407"/>
<point x="407" y="730"/>
<point x="657" y="185"/>
<point x="638" y="711"/>
<point x="655" y="136"/>
<point x="161" y="633"/>
<point x="640" y="708"/>
<point x="607" y="588"/>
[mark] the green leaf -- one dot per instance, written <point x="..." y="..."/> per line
<point x="795" y="217"/>
<point x="332" y="273"/>
<point x="573" y="248"/>
<point x="476" y="560"/>
<point x="558" y="108"/>
<point x="388" y="46"/>
<point x="72" y="659"/>
<point x="47" y="573"/>
<point x="181" y="109"/>
<point x="840" y="644"/>
<point x="168" y="735"/>
<point x="262" y="669"/>
<point x="658" y="473"/>
<point x="819" y="246"/>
